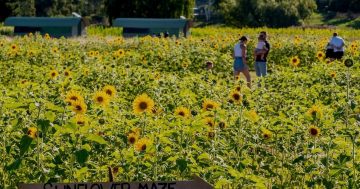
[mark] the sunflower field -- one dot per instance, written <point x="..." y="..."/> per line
<point x="147" y="109"/>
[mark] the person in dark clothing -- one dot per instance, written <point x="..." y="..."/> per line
<point x="260" y="62"/>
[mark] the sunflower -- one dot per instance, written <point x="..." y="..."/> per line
<point x="67" y="73"/>
<point x="32" y="132"/>
<point x="222" y="124"/>
<point x="314" y="131"/>
<point x="333" y="74"/>
<point x="314" y="112"/>
<point x="53" y="74"/>
<point x="211" y="134"/>
<point x="47" y="36"/>
<point x="238" y="88"/>
<point x="14" y="47"/>
<point x="182" y="112"/>
<point x="80" y="119"/>
<point x="55" y="50"/>
<point x="143" y="103"/>
<point x="132" y="138"/>
<point x="209" y="121"/>
<point x="209" y="105"/>
<point x="101" y="98"/>
<point x="295" y="61"/>
<point x="121" y="52"/>
<point x="142" y="144"/>
<point x="73" y="96"/>
<point x="266" y="134"/>
<point x="79" y="107"/>
<point x="110" y="90"/>
<point x="320" y="55"/>
<point x="236" y="97"/>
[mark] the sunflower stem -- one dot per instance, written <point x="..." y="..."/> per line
<point x="347" y="96"/>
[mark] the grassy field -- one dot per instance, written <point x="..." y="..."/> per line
<point x="147" y="109"/>
<point x="339" y="21"/>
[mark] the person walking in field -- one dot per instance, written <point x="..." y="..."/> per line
<point x="338" y="45"/>
<point x="261" y="55"/>
<point x="240" y="62"/>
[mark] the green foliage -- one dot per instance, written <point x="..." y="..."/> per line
<point x="22" y="7"/>
<point x="266" y="13"/>
<point x="339" y="5"/>
<point x="149" y="9"/>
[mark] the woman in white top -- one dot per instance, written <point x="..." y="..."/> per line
<point x="240" y="62"/>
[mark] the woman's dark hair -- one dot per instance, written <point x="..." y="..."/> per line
<point x="243" y="38"/>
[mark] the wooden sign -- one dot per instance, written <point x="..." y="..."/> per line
<point x="197" y="183"/>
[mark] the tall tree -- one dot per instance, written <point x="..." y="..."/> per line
<point x="149" y="8"/>
<point x="22" y="7"/>
<point x="5" y="10"/>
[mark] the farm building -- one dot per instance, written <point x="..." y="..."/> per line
<point x="55" y="27"/>
<point x="150" y="26"/>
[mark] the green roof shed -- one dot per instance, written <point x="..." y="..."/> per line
<point x="55" y="27"/>
<point x="152" y="26"/>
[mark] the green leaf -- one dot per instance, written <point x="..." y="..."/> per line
<point x="16" y="105"/>
<point x="298" y="159"/>
<point x="97" y="139"/>
<point x="14" y="165"/>
<point x="51" y="116"/>
<point x="204" y="157"/>
<point x="25" y="144"/>
<point x="43" y="124"/>
<point x="82" y="156"/>
<point x="53" y="107"/>
<point x="181" y="164"/>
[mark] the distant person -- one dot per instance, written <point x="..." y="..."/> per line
<point x="338" y="44"/>
<point x="240" y="62"/>
<point x="261" y="59"/>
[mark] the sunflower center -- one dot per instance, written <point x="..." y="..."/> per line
<point x="211" y="134"/>
<point x="53" y="74"/>
<point x="143" y="147"/>
<point x="132" y="140"/>
<point x="109" y="92"/>
<point x="143" y="105"/>
<point x="100" y="99"/>
<point x="313" y="113"/>
<point x="266" y="136"/>
<point x="236" y="96"/>
<point x="67" y="74"/>
<point x="294" y="60"/>
<point x="209" y="106"/>
<point x="313" y="131"/>
<point x="182" y="113"/>
<point x="74" y="98"/>
<point x="78" y="107"/>
<point x="80" y="122"/>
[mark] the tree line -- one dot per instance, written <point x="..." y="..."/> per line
<point x="99" y="8"/>
<point x="253" y="13"/>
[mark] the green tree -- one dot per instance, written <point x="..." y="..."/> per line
<point x="256" y="13"/>
<point x="22" y="7"/>
<point x="149" y="8"/>
<point x="5" y="10"/>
